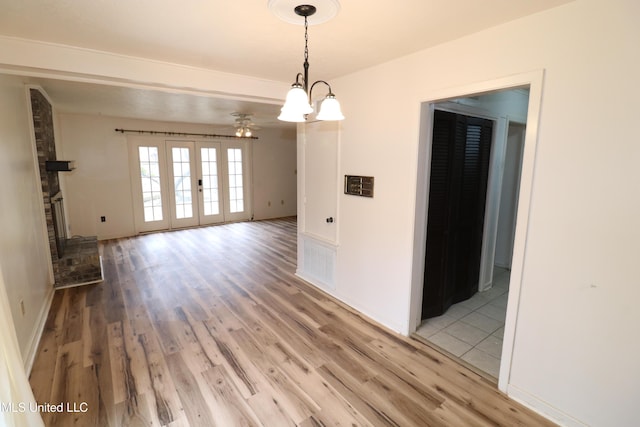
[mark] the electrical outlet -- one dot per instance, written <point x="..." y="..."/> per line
<point x="269" y="203"/>
<point x="103" y="219"/>
<point x="282" y="202"/>
<point x="22" y="309"/>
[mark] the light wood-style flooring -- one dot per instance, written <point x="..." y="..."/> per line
<point x="211" y="327"/>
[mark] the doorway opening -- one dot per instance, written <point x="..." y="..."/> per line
<point x="479" y="327"/>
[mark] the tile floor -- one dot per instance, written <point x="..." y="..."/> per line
<point x="473" y="329"/>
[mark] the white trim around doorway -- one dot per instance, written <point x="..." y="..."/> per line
<point x="534" y="80"/>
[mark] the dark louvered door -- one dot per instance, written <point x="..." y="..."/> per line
<point x="458" y="185"/>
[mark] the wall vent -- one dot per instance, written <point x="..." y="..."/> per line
<point x="319" y="263"/>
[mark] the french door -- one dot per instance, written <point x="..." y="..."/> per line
<point x="177" y="184"/>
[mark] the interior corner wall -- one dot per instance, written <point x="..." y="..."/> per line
<point x="101" y="184"/>
<point x="274" y="173"/>
<point x="24" y="255"/>
<point x="575" y="356"/>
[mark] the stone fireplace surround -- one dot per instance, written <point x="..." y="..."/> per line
<point x="76" y="260"/>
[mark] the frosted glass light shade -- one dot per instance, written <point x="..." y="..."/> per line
<point x="291" y="116"/>
<point x="330" y="109"/>
<point x="296" y="105"/>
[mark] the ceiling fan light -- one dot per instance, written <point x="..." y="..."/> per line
<point x="330" y="109"/>
<point x="239" y="132"/>
<point x="247" y="132"/>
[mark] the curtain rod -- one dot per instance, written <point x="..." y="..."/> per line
<point x="209" y="135"/>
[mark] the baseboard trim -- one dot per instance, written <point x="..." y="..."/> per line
<point x="350" y="305"/>
<point x="36" y="336"/>
<point x="543" y="408"/>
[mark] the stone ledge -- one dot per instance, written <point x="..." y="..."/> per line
<point x="81" y="263"/>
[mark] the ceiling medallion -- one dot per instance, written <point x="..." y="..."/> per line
<point x="285" y="10"/>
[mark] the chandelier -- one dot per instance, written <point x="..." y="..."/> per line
<point x="298" y="103"/>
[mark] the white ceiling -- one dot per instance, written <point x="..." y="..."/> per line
<point x="241" y="37"/>
<point x="158" y="105"/>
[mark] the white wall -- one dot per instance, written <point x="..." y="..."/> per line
<point x="575" y="353"/>
<point x="24" y="252"/>
<point x="101" y="185"/>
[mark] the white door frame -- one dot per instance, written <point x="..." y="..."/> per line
<point x="212" y="218"/>
<point x="246" y="213"/>
<point x="134" y="142"/>
<point x="194" y="219"/>
<point x="534" y="80"/>
<point x="169" y="221"/>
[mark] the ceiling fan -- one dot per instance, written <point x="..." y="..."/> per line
<point x="244" y="127"/>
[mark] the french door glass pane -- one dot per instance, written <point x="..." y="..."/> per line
<point x="182" y="182"/>
<point x="210" y="181"/>
<point x="236" y="199"/>
<point x="150" y="178"/>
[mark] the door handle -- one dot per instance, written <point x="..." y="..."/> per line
<point x="200" y="182"/>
